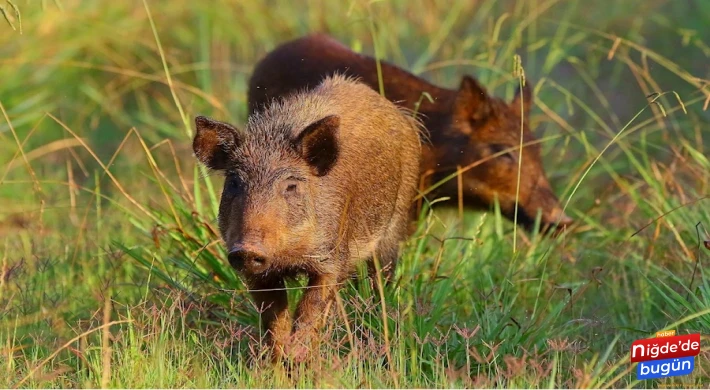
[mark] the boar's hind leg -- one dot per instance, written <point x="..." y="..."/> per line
<point x="272" y="303"/>
<point x="314" y="307"/>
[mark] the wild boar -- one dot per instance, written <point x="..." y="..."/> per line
<point x="317" y="183"/>
<point x="464" y="126"/>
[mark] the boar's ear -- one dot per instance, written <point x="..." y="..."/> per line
<point x="212" y="140"/>
<point x="526" y="97"/>
<point x="472" y="100"/>
<point x="318" y="144"/>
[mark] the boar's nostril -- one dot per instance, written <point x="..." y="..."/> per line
<point x="255" y="263"/>
<point x="236" y="258"/>
<point x="258" y="260"/>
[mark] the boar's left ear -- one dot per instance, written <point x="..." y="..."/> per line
<point x="212" y="142"/>
<point x="526" y="97"/>
<point x="318" y="144"/>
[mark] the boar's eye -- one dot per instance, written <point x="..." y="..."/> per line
<point x="290" y="186"/>
<point x="508" y="154"/>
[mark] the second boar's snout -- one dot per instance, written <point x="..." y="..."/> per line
<point x="558" y="222"/>
<point x="248" y="259"/>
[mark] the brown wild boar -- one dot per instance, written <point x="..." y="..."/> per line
<point x="464" y="125"/>
<point x="318" y="182"/>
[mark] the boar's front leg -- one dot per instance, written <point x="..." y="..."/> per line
<point x="272" y="301"/>
<point x="313" y="309"/>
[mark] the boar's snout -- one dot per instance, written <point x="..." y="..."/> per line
<point x="250" y="259"/>
<point x="557" y="222"/>
<point x="565" y="221"/>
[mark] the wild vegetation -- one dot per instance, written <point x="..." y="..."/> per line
<point x="111" y="268"/>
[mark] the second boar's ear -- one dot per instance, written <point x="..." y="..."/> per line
<point x="212" y="142"/>
<point x="318" y="144"/>
<point x="472" y="100"/>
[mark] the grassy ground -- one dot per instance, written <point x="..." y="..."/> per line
<point x="111" y="267"/>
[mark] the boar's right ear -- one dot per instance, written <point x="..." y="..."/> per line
<point x="472" y="100"/>
<point x="318" y="144"/>
<point x="212" y="140"/>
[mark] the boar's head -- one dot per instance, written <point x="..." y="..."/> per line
<point x="267" y="213"/>
<point x="485" y="126"/>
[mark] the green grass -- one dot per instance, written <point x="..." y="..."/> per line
<point x="112" y="272"/>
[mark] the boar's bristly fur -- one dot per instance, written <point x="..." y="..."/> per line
<point x="317" y="183"/>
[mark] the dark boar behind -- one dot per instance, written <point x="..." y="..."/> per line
<point x="465" y="125"/>
<point x="316" y="183"/>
